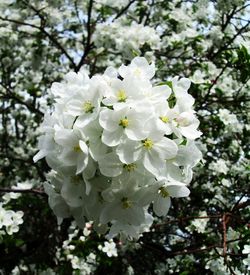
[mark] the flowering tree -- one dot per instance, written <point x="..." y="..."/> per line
<point x="112" y="97"/>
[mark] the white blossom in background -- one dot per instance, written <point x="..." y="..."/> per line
<point x="116" y="145"/>
<point x="20" y="185"/>
<point x="218" y="267"/>
<point x="125" y="38"/>
<point x="10" y="220"/>
<point x="109" y="248"/>
<point x="230" y="120"/>
<point x="219" y="166"/>
<point x="199" y="225"/>
<point x="112" y="3"/>
<point x="246" y="251"/>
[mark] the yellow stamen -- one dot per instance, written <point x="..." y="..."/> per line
<point x="130" y="167"/>
<point x="148" y="143"/>
<point x="163" y="192"/>
<point x="124" y="122"/>
<point x="77" y="149"/>
<point x="164" y="119"/>
<point x="88" y="107"/>
<point x="126" y="203"/>
<point x="121" y="96"/>
<point x="137" y="72"/>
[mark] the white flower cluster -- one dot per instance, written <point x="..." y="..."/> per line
<point x="219" y="167"/>
<point x="230" y="120"/>
<point x="246" y="251"/>
<point x="112" y="3"/>
<point x="20" y="185"/>
<point x="9" y="220"/>
<point x="116" y="144"/>
<point x="127" y="38"/>
<point x="68" y="251"/>
<point x="84" y="265"/>
<point x="199" y="225"/>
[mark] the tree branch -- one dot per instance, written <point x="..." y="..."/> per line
<point x="25" y="191"/>
<point x="88" y="44"/>
<point x="51" y="37"/>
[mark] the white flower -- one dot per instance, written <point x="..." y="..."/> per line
<point x="85" y="105"/>
<point x="165" y="191"/>
<point x="246" y="249"/>
<point x="139" y="68"/>
<point x="126" y="121"/>
<point x="200" y="224"/>
<point x="124" y="205"/>
<point x="5" y="217"/>
<point x="110" y="249"/>
<point x="74" y="150"/>
<point x="226" y="182"/>
<point x="186" y="124"/>
<point x="230" y="120"/>
<point x="122" y="91"/>
<point x="198" y="77"/>
<point x="153" y="151"/>
<point x="220" y="166"/>
<point x="10" y="220"/>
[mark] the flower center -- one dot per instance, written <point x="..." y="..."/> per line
<point x="76" y="179"/>
<point x="137" y="72"/>
<point x="88" y="107"/>
<point x="164" y="119"/>
<point x="77" y="149"/>
<point x="121" y="96"/>
<point x="148" y="143"/>
<point x="124" y="122"/>
<point x="126" y="203"/>
<point x="130" y="167"/>
<point x="163" y="192"/>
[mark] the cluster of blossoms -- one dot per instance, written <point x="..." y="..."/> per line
<point x="199" y="225"/>
<point x="230" y="120"/>
<point x="116" y="144"/>
<point x="125" y="37"/>
<point x="112" y="3"/>
<point x="68" y="251"/>
<point x="9" y="220"/>
<point x="72" y="245"/>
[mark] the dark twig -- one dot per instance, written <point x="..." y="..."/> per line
<point x="88" y="44"/>
<point x="51" y="37"/>
<point x="123" y="10"/>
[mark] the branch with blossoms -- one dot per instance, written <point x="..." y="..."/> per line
<point x="88" y="45"/>
<point x="24" y="191"/>
<point x="44" y="31"/>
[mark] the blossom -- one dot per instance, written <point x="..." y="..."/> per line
<point x="200" y="224"/>
<point x="110" y="249"/>
<point x="10" y="220"/>
<point x="220" y="166"/>
<point x="125" y="121"/>
<point x="153" y="151"/>
<point x="165" y="191"/>
<point x="74" y="150"/>
<point x="118" y="144"/>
